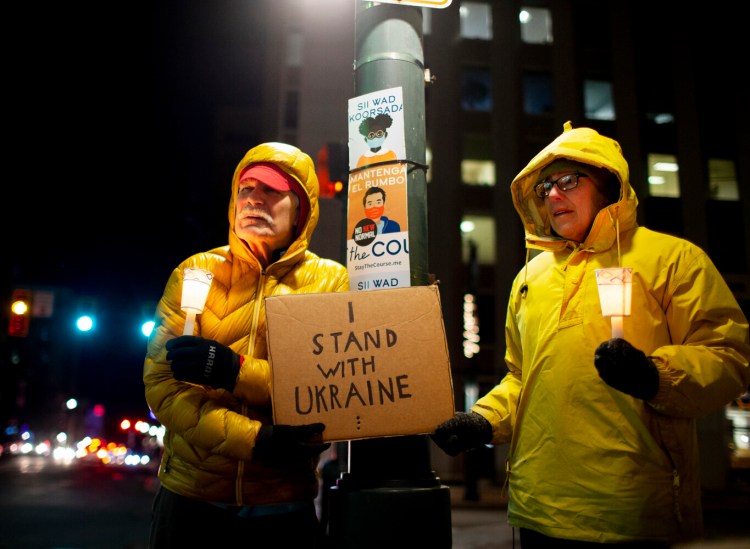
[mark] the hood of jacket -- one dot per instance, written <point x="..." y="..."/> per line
<point x="299" y="166"/>
<point x="589" y="147"/>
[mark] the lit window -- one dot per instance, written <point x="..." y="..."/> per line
<point x="476" y="20"/>
<point x="479" y="229"/>
<point x="536" y="25"/>
<point x="661" y="118"/>
<point x="597" y="100"/>
<point x="663" y="175"/>
<point x="722" y="180"/>
<point x="478" y="172"/>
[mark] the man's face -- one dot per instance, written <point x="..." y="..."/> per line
<point x="373" y="200"/>
<point x="573" y="211"/>
<point x="265" y="217"/>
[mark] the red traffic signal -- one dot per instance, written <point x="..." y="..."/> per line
<point x="332" y="169"/>
<point x="20" y="312"/>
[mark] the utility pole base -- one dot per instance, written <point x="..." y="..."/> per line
<point x="390" y="517"/>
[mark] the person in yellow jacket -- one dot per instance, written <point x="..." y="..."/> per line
<point x="228" y="475"/>
<point x="602" y="431"/>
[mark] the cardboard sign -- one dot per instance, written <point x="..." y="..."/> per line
<point x="367" y="364"/>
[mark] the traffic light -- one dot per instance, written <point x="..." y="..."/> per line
<point x="86" y="315"/>
<point x="333" y="170"/>
<point x="20" y="312"/>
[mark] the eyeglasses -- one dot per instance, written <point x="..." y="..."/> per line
<point x="564" y="183"/>
<point x="373" y="135"/>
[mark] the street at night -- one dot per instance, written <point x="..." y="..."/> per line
<point x="45" y="505"/>
<point x="48" y="505"/>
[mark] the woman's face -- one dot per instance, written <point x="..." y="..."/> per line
<point x="572" y="212"/>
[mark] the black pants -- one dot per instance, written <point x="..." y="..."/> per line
<point x="534" y="540"/>
<point x="178" y="522"/>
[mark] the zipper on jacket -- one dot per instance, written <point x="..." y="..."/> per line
<point x="676" y="495"/>
<point x="260" y="294"/>
<point x="506" y="482"/>
<point x="240" y="470"/>
<point x="675" y="477"/>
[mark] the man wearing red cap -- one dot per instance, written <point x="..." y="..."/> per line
<point x="227" y="472"/>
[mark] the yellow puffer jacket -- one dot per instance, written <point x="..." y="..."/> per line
<point x="210" y="434"/>
<point x="588" y="462"/>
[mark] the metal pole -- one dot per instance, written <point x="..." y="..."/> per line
<point x="391" y="497"/>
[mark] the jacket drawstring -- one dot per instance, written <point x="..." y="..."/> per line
<point x="616" y="222"/>
<point x="524" y="286"/>
<point x="617" y="235"/>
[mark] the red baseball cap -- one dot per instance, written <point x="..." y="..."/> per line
<point x="270" y="174"/>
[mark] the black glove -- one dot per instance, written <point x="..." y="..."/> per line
<point x="281" y="444"/>
<point x="627" y="369"/>
<point x="203" y="361"/>
<point x="462" y="432"/>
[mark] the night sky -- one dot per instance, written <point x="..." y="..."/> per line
<point x="111" y="177"/>
<point x="115" y="176"/>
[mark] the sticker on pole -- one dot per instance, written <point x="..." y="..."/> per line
<point x="377" y="249"/>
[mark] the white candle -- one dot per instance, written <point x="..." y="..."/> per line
<point x="189" y="324"/>
<point x="617" y="330"/>
<point x="195" y="286"/>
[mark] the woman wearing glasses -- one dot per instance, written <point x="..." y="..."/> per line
<point x="602" y="430"/>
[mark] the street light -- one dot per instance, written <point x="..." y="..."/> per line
<point x="147" y="327"/>
<point x="85" y="323"/>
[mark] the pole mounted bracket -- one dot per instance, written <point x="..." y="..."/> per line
<point x="429" y="78"/>
<point x="388" y="56"/>
<point x="412" y="165"/>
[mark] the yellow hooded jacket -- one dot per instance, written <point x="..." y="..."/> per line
<point x="586" y="461"/>
<point x="211" y="433"/>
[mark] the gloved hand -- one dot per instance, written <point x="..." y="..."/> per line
<point x="203" y="361"/>
<point x="626" y="369"/>
<point x="462" y="432"/>
<point x="282" y="444"/>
